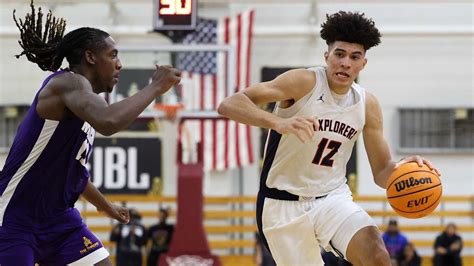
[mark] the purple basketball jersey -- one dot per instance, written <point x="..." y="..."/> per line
<point x="45" y="172"/>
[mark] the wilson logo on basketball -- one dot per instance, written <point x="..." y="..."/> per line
<point x="405" y="184"/>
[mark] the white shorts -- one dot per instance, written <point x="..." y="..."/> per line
<point x="294" y="230"/>
<point x="93" y="258"/>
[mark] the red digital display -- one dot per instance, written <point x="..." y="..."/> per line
<point x="175" y="7"/>
<point x="175" y="14"/>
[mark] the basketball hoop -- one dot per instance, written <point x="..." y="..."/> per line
<point x="170" y="110"/>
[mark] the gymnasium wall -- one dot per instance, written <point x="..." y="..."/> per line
<point x="425" y="60"/>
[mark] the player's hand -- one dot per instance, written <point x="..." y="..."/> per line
<point x="302" y="127"/>
<point x="420" y="161"/>
<point x="119" y="213"/>
<point x="164" y="78"/>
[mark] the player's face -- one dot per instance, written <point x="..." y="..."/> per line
<point x="344" y="62"/>
<point x="109" y="65"/>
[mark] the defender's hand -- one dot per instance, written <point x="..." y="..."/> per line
<point x="119" y="213"/>
<point x="419" y="160"/>
<point x="164" y="78"/>
<point x="301" y="127"/>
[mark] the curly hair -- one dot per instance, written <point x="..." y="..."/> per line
<point x="48" y="47"/>
<point x="350" y="27"/>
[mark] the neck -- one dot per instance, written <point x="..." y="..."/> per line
<point x="338" y="89"/>
<point x="87" y="73"/>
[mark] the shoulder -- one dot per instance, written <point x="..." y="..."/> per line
<point x="372" y="105"/>
<point x="371" y="100"/>
<point x="306" y="73"/>
<point x="301" y="76"/>
<point x="298" y="82"/>
<point x="373" y="111"/>
<point x="68" y="82"/>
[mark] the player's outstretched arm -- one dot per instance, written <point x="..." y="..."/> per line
<point x="290" y="86"/>
<point x="377" y="147"/>
<point x="93" y="195"/>
<point x="79" y="98"/>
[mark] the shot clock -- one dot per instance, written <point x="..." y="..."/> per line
<point x="174" y="14"/>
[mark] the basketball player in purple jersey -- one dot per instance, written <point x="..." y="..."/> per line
<point x="44" y="173"/>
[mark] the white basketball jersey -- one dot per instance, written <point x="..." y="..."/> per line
<point x="316" y="167"/>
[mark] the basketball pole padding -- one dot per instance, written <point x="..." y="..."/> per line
<point x="189" y="243"/>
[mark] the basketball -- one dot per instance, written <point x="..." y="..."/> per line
<point x="414" y="191"/>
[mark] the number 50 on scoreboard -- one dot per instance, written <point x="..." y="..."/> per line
<point x="174" y="14"/>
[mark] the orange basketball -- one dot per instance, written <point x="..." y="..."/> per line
<point x="414" y="191"/>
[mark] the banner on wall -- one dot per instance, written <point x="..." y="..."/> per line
<point x="125" y="165"/>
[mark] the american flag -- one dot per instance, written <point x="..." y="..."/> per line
<point x="226" y="144"/>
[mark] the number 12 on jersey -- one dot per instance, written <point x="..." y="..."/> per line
<point x="327" y="160"/>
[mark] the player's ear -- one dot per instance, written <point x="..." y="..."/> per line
<point x="326" y="55"/>
<point x="365" y="62"/>
<point x="89" y="57"/>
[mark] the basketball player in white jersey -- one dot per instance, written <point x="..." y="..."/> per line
<point x="304" y="201"/>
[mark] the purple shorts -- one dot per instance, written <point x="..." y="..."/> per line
<point x="54" y="245"/>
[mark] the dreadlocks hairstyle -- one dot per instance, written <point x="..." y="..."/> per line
<point x="350" y="27"/>
<point x="40" y="46"/>
<point x="47" y="48"/>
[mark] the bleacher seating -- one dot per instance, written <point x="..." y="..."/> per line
<point x="230" y="222"/>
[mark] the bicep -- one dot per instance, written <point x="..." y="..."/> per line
<point x="377" y="149"/>
<point x="83" y="102"/>
<point x="376" y="146"/>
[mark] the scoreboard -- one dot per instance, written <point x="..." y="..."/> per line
<point x="174" y="14"/>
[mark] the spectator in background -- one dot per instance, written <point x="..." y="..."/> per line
<point x="130" y="239"/>
<point x="394" y="241"/>
<point x="160" y="236"/>
<point x="448" y="247"/>
<point x="409" y="256"/>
